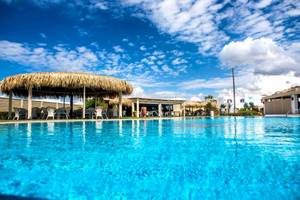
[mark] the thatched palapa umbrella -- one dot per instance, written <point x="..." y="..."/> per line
<point x="125" y="102"/>
<point x="194" y="105"/>
<point x="62" y="84"/>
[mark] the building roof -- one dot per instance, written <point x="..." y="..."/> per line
<point x="156" y="101"/>
<point x="284" y="93"/>
<point x="64" y="83"/>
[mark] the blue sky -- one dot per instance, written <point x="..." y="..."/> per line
<point x="165" y="48"/>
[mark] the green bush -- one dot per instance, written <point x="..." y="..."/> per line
<point x="92" y="103"/>
<point x="246" y="112"/>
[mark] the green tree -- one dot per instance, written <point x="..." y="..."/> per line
<point x="223" y="106"/>
<point x="209" y="97"/>
<point x="228" y="107"/>
<point x="246" y="106"/>
<point x="209" y="107"/>
<point x="251" y="105"/>
<point x="92" y="103"/>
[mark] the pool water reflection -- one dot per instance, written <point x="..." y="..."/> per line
<point x="221" y="158"/>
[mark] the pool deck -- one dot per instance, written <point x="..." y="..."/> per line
<point x="283" y="115"/>
<point x="86" y="120"/>
<point x="123" y="119"/>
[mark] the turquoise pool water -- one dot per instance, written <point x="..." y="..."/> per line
<point x="221" y="158"/>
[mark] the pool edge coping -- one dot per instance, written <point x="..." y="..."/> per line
<point x="84" y="120"/>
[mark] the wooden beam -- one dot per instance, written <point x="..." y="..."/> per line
<point x="132" y="109"/>
<point x="29" y="103"/>
<point x="10" y="105"/>
<point x="83" y="109"/>
<point x="137" y="108"/>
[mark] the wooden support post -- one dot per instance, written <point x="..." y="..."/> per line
<point x="64" y="104"/>
<point x="120" y="105"/>
<point x="10" y="105"/>
<point x="137" y="108"/>
<point x="159" y="110"/>
<point x="29" y="103"/>
<point x="22" y="103"/>
<point x="83" y="109"/>
<point x="71" y="105"/>
<point x="184" y="109"/>
<point x="132" y="109"/>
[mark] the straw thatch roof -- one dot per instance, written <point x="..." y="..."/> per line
<point x="283" y="93"/>
<point x="125" y="102"/>
<point x="194" y="104"/>
<point x="64" y="83"/>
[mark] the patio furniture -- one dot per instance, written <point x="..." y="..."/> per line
<point x="50" y="113"/>
<point x="153" y="113"/>
<point x="105" y="113"/>
<point x="61" y="112"/>
<point x="115" y="113"/>
<point x="98" y="113"/>
<point x="44" y="112"/>
<point x="20" y="113"/>
<point x="36" y="113"/>
<point x="90" y="112"/>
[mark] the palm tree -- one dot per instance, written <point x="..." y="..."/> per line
<point x="251" y="105"/>
<point x="209" y="97"/>
<point x="222" y="106"/>
<point x="246" y="106"/>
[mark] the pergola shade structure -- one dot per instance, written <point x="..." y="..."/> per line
<point x="60" y="84"/>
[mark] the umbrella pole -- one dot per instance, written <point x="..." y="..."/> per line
<point x="83" y="110"/>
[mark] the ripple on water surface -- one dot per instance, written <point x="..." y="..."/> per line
<point x="221" y="158"/>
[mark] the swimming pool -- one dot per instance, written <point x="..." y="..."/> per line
<point x="221" y="158"/>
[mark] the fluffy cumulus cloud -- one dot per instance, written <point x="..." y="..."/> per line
<point x="211" y="23"/>
<point x="198" y="97"/>
<point x="263" y="56"/>
<point x="258" y="38"/>
<point x="249" y="86"/>
<point x="143" y="73"/>
<point x="58" y="58"/>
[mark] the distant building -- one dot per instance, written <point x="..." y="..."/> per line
<point x="23" y="103"/>
<point x="283" y="102"/>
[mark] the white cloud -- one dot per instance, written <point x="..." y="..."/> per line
<point x="58" y="58"/>
<point x="210" y="23"/>
<point x="169" y="95"/>
<point x="249" y="85"/>
<point x="118" y="49"/>
<point x="187" y="20"/>
<point x="262" y="56"/>
<point x="143" y="48"/>
<point x="138" y="92"/>
<point x="43" y="35"/>
<point x="263" y="3"/>
<point x="294" y="12"/>
<point x="100" y="5"/>
<point x="198" y="97"/>
<point x="179" y="61"/>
